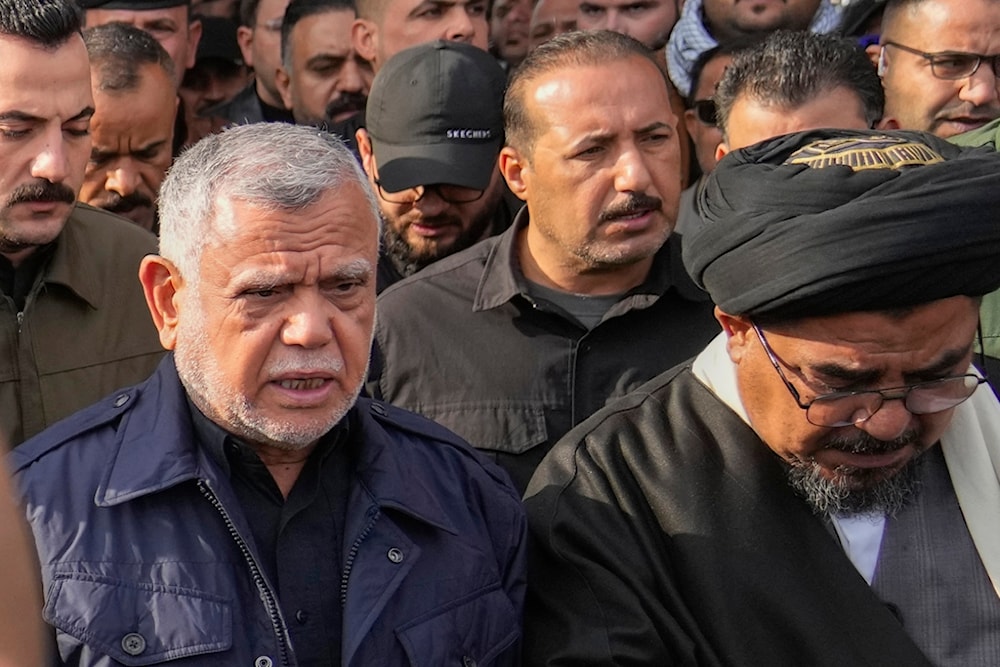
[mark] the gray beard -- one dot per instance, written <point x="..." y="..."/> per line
<point x="855" y="491"/>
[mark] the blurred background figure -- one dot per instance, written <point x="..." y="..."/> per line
<point x="227" y="9"/>
<point x="218" y="75"/>
<point x="322" y="79"/>
<point x="132" y="128"/>
<point x="649" y="21"/>
<point x="550" y="18"/>
<point x="705" y="23"/>
<point x="259" y="37"/>
<point x="170" y="22"/>
<point x="509" y="30"/>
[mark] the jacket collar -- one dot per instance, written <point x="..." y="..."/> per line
<point x="502" y="279"/>
<point x="70" y="265"/>
<point x="157" y="449"/>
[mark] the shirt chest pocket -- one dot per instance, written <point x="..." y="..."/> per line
<point x="138" y="624"/>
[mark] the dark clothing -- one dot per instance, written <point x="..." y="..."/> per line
<point x="81" y="331"/>
<point x="464" y="343"/>
<point x="391" y="269"/>
<point x="664" y="532"/>
<point x="246" y="107"/>
<point x="300" y="540"/>
<point x="148" y="557"/>
<point x="346" y="130"/>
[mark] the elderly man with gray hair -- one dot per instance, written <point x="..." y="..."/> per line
<point x="244" y="506"/>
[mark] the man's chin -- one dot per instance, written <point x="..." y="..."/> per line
<point x="851" y="490"/>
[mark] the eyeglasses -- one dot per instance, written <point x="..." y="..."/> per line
<point x="846" y="408"/>
<point x="706" y="112"/>
<point x="453" y="194"/>
<point x="274" y="25"/>
<point x="952" y="65"/>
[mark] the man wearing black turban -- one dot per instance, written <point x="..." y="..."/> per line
<point x="820" y="485"/>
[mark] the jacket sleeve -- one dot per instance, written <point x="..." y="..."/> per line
<point x="600" y="590"/>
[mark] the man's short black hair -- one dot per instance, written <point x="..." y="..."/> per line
<point x="790" y="68"/>
<point x="118" y="50"/>
<point x="726" y="49"/>
<point x="46" y="22"/>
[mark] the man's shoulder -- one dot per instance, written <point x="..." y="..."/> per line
<point x="107" y="233"/>
<point x="90" y="424"/>
<point x="242" y="109"/>
<point x="672" y="417"/>
<point x="457" y="275"/>
<point x="424" y="446"/>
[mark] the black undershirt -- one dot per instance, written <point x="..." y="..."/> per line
<point x="299" y="539"/>
<point x="17" y="283"/>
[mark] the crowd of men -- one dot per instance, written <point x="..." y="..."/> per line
<point x="543" y="332"/>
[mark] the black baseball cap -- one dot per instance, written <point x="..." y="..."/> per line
<point x="218" y="40"/>
<point x="138" y="5"/>
<point x="435" y="115"/>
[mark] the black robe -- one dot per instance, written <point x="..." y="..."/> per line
<point x="664" y="533"/>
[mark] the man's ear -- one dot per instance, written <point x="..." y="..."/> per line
<point x="194" y="36"/>
<point x="515" y="171"/>
<point x="739" y="332"/>
<point x="365" y="150"/>
<point x="244" y="38"/>
<point x="364" y="37"/>
<point x="721" y="150"/>
<point x="161" y="284"/>
<point x="283" y="82"/>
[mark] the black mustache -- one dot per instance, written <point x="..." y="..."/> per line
<point x="634" y="204"/>
<point x="345" y="102"/>
<point x="41" y="191"/>
<point x="116" y="203"/>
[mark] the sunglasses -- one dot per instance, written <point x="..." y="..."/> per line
<point x="705" y="112"/>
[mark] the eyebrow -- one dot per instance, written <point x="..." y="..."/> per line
<point x="935" y="371"/>
<point x="152" y="147"/>
<point x="23" y="117"/>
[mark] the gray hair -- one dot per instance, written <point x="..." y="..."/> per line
<point x="273" y="166"/>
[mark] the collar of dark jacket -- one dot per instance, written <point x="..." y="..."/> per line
<point x="157" y="450"/>
<point x="502" y="278"/>
<point x="72" y="265"/>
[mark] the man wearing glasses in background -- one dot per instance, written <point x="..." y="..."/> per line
<point x="937" y="60"/>
<point x="435" y="129"/>
<point x="819" y="486"/>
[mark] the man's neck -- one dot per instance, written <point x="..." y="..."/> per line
<point x="284" y="465"/>
<point x="571" y="274"/>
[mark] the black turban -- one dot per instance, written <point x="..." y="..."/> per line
<point x="835" y="221"/>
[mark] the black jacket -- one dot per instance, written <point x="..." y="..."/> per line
<point x="663" y="532"/>
<point x="462" y="342"/>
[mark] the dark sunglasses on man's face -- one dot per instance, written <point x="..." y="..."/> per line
<point x="705" y="111"/>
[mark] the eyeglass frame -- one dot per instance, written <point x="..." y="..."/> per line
<point x="436" y="187"/>
<point x="699" y="107"/>
<point x="887" y="394"/>
<point x="934" y="57"/>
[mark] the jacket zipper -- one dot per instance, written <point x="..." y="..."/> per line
<point x="352" y="554"/>
<point x="266" y="594"/>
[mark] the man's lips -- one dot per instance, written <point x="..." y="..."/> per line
<point x="304" y="390"/>
<point x="835" y="458"/>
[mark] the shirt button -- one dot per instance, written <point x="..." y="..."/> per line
<point x="395" y="555"/>
<point x="301" y="616"/>
<point x="133" y="643"/>
<point x="263" y="661"/>
<point x="120" y="400"/>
